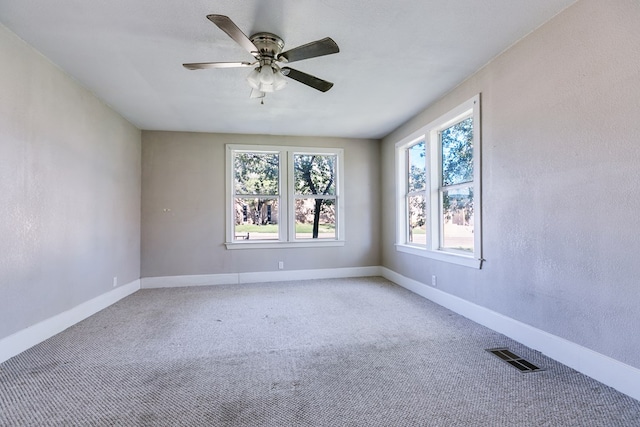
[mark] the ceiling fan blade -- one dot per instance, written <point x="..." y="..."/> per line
<point x="207" y="65"/>
<point x="326" y="46"/>
<point x="226" y="24"/>
<point x="307" y="79"/>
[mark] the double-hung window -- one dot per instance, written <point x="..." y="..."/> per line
<point x="314" y="195"/>
<point x="280" y="196"/>
<point x="438" y="187"/>
<point x="257" y="195"/>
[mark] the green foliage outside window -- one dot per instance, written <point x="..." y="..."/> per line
<point x="314" y="174"/>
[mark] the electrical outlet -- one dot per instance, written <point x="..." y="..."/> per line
<point x="280" y="265"/>
<point x="434" y="281"/>
<point x="115" y="281"/>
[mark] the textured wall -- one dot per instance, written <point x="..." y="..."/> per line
<point x="184" y="172"/>
<point x="69" y="191"/>
<point x="561" y="167"/>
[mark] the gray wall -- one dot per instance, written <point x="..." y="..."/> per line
<point x="69" y="191"/>
<point x="561" y="167"/>
<point x="184" y="173"/>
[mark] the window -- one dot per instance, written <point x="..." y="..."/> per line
<point x="315" y="195"/>
<point x="438" y="178"/>
<point x="256" y="195"/>
<point x="283" y="196"/>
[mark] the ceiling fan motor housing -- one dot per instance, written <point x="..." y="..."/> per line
<point x="269" y="47"/>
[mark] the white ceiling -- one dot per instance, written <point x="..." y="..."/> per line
<point x="396" y="57"/>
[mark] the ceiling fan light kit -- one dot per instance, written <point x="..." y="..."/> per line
<point x="266" y="79"/>
<point x="268" y="76"/>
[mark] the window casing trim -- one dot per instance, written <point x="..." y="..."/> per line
<point x="433" y="160"/>
<point x="286" y="194"/>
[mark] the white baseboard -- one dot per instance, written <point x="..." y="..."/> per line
<point x="191" y="280"/>
<point x="257" y="277"/>
<point x="611" y="372"/>
<point x="20" y="341"/>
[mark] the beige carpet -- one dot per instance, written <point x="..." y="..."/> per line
<point x="354" y="352"/>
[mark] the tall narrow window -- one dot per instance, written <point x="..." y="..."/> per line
<point x="256" y="195"/>
<point x="456" y="189"/>
<point x="416" y="197"/>
<point x="315" y="195"/>
<point x="439" y="188"/>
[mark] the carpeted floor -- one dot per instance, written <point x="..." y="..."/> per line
<point x="344" y="352"/>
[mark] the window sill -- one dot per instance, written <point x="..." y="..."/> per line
<point x="467" y="261"/>
<point x="284" y="245"/>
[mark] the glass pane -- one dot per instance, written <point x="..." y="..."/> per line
<point x="315" y="218"/>
<point x="256" y="173"/>
<point x="457" y="153"/>
<point x="256" y="219"/>
<point x="457" y="221"/>
<point x="417" y="167"/>
<point x="417" y="220"/>
<point x="314" y="174"/>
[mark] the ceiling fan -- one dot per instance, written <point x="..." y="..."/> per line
<point x="266" y="48"/>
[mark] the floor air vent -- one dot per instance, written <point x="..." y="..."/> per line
<point x="514" y="360"/>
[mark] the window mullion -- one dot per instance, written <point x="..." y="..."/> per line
<point x="287" y="194"/>
<point x="435" y="172"/>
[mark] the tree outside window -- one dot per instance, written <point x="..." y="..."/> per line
<point x="257" y="195"/>
<point x="315" y="195"/>
<point x="457" y="186"/>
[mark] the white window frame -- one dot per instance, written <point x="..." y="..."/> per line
<point x="286" y="211"/>
<point x="430" y="134"/>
